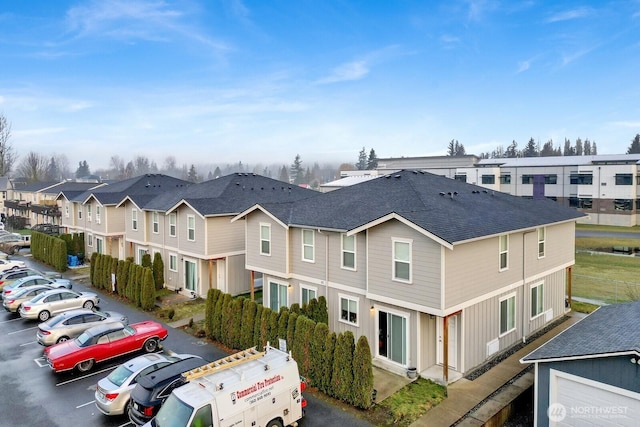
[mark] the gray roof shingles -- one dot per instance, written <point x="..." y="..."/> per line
<point x="610" y="329"/>
<point x="452" y="210"/>
<point x="150" y="184"/>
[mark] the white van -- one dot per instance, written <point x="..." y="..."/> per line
<point x="249" y="388"/>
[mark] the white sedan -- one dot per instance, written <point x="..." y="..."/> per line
<point x="9" y="264"/>
<point x="55" y="301"/>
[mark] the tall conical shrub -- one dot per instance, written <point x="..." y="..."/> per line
<point x="342" y="377"/>
<point x="362" y="374"/>
<point x="158" y="271"/>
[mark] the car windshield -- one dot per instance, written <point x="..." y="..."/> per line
<point x="173" y="413"/>
<point x="120" y="375"/>
<point x="84" y="339"/>
<point x="129" y="330"/>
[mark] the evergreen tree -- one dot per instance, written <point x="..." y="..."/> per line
<point x="272" y="334"/>
<point x="158" y="271"/>
<point x="362" y="374"/>
<point x="148" y="291"/>
<point x="209" y="310"/>
<point x="547" y="149"/>
<point x="318" y="344"/>
<point x="594" y="149"/>
<point x="634" y="148"/>
<point x="283" y="323"/>
<point x="587" y="147"/>
<point x="451" y="148"/>
<point x="146" y="260"/>
<point x="362" y="160"/>
<point x="217" y="173"/>
<point x="342" y="377"/>
<point x="284" y="175"/>
<point x="83" y="169"/>
<point x="372" y="161"/>
<point x="296" y="171"/>
<point x="327" y="365"/>
<point x="512" y="150"/>
<point x="578" y="147"/>
<point x="257" y="337"/>
<point x="192" y="176"/>
<point x="248" y="322"/>
<point x="531" y="150"/>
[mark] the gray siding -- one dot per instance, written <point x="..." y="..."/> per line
<point x="316" y="268"/>
<point x="224" y="236"/>
<point x="196" y="246"/>
<point x="277" y="261"/>
<point x="239" y="279"/>
<point x="425" y="265"/>
<point x="337" y="274"/>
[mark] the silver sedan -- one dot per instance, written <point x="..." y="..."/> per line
<point x="72" y="323"/>
<point x="34" y="280"/>
<point x="14" y="302"/>
<point x="55" y="301"/>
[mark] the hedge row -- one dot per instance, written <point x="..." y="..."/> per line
<point x="132" y="281"/>
<point x="49" y="249"/>
<point x="333" y="364"/>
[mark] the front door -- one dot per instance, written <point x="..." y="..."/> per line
<point x="392" y="334"/>
<point x="190" y="275"/>
<point x="452" y="341"/>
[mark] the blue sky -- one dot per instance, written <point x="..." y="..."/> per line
<point x="261" y="81"/>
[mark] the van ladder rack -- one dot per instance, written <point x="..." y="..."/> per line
<point x="225" y="362"/>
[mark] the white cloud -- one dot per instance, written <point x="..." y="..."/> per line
<point x="567" y="15"/>
<point x="627" y="124"/>
<point x="523" y="66"/>
<point x="38" y="132"/>
<point x="355" y="70"/>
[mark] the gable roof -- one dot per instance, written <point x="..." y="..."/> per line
<point x="38" y="186"/>
<point x="451" y="210"/>
<point x="229" y="194"/>
<point x="149" y="184"/>
<point x="611" y="329"/>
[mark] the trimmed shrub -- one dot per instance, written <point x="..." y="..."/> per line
<point x="362" y="388"/>
<point x="209" y="310"/>
<point x="264" y="326"/>
<point x="257" y="338"/>
<point x="342" y="377"/>
<point x="248" y="323"/>
<point x="148" y="291"/>
<point x="158" y="271"/>
<point x="216" y="322"/>
<point x="283" y="323"/>
<point x="235" y="326"/>
<point x="121" y="277"/>
<point x="318" y="343"/>
<point x="146" y="260"/>
<point x="295" y="308"/>
<point x="226" y="320"/>
<point x="272" y="335"/>
<point x="321" y="315"/>
<point x="92" y="267"/>
<point x="291" y="330"/>
<point x="326" y="369"/>
<point x="301" y="348"/>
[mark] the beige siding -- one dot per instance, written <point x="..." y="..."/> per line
<point x="159" y="237"/>
<point x="425" y="265"/>
<point x="317" y="268"/>
<point x="224" y="236"/>
<point x="127" y="222"/>
<point x="239" y="279"/>
<point x="553" y="301"/>
<point x="428" y="350"/>
<point x="196" y="246"/>
<point x="337" y="274"/>
<point x="277" y="260"/>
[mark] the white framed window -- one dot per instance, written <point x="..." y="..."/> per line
<point x="156" y="222"/>
<point x="278" y="296"/>
<point x="80" y="212"/>
<point x="542" y="235"/>
<point x="172" y="224"/>
<point x="402" y="260"/>
<point x="265" y="239"/>
<point x="99" y="245"/>
<point x="89" y="213"/>
<point x="173" y="262"/>
<point x="349" y="309"/>
<point x="141" y="253"/>
<point x="507" y="314"/>
<point x="504" y="252"/>
<point x="90" y="240"/>
<point x="66" y="209"/>
<point x="98" y="215"/>
<point x="349" y="252"/>
<point x="537" y="300"/>
<point x="134" y="219"/>
<point x="191" y="228"/>
<point x="307" y="293"/>
<point x="308" y="243"/>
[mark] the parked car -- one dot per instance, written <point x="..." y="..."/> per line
<point x="12" y="275"/>
<point x="8" y="264"/>
<point x="113" y="392"/>
<point x="55" y="301"/>
<point x="105" y="342"/>
<point x="34" y="280"/>
<point x="14" y="302"/>
<point x="152" y="390"/>
<point x="71" y="323"/>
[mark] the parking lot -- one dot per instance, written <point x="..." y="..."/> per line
<point x="33" y="395"/>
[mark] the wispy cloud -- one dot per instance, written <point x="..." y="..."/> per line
<point x="568" y="59"/>
<point x="38" y="132"/>
<point x="567" y="15"/>
<point x="627" y="124"/>
<point x="527" y="63"/>
<point x="355" y="70"/>
<point x="449" y="41"/>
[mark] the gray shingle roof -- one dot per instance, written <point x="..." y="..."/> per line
<point x="452" y="210"/>
<point x="150" y="184"/>
<point x="610" y="329"/>
<point x="230" y="194"/>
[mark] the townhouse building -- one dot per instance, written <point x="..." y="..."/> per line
<point x="606" y="187"/>
<point x="438" y="274"/>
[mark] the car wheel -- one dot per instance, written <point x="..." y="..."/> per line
<point x="15" y="250"/>
<point x="44" y="315"/>
<point x="18" y="309"/>
<point x="85" y="366"/>
<point x="61" y="339"/>
<point x="275" y="423"/>
<point x="88" y="304"/>
<point x="150" y="345"/>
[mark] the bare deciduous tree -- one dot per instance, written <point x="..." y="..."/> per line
<point x="33" y="167"/>
<point x="7" y="153"/>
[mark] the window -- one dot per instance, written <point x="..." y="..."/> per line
<point x="156" y="222"/>
<point x="527" y="179"/>
<point x="581" y="202"/>
<point x="191" y="228"/>
<point x="173" y="262"/>
<point x="541" y="239"/>
<point x="581" y="178"/>
<point x="551" y="179"/>
<point x="277" y="296"/>
<point x="402" y="260"/>
<point x="307" y="294"/>
<point x="97" y="214"/>
<point x="624" y="179"/>
<point x="537" y="299"/>
<point x="308" y="245"/>
<point x="141" y="253"/>
<point x="623" y="204"/>
<point x="90" y="240"/>
<point x="505" y="179"/>
<point x="349" y="252"/>
<point x="99" y="245"/>
<point x="488" y="179"/>
<point x="134" y="219"/>
<point x="172" y="225"/>
<point x="79" y="212"/>
<point x="265" y="239"/>
<point x="66" y="209"/>
<point x="190" y="275"/>
<point x="504" y="252"/>
<point x="348" y="310"/>
<point x="461" y="177"/>
<point x="89" y="213"/>
<point x="507" y="314"/>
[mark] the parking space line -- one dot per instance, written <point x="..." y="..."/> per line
<point x="41" y="362"/>
<point x="22" y="330"/>
<point x="11" y="320"/>
<point x="85" y="404"/>
<point x="128" y="423"/>
<point x="85" y="376"/>
<point x="29" y="343"/>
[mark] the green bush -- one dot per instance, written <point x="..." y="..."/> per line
<point x="283" y="323"/>
<point x="216" y="323"/>
<point x="291" y="329"/>
<point x="318" y="343"/>
<point x="148" y="291"/>
<point x="92" y="266"/>
<point x="146" y="260"/>
<point x="121" y="277"/>
<point x="235" y="326"/>
<point x="158" y="271"/>
<point x="257" y="337"/>
<point x="227" y="315"/>
<point x="327" y="366"/>
<point x="209" y="310"/>
<point x="248" y="323"/>
<point x="342" y="376"/>
<point x="362" y="375"/>
<point x="301" y="346"/>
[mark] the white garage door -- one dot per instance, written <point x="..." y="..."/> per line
<point x="577" y="401"/>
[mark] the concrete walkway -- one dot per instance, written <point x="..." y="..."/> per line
<point x="465" y="395"/>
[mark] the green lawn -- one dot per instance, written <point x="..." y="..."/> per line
<point x="604" y="277"/>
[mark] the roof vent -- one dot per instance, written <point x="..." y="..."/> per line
<point x="397" y="176"/>
<point x="485" y="191"/>
<point x="442" y="193"/>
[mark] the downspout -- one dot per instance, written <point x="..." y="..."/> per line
<point x="524" y="284"/>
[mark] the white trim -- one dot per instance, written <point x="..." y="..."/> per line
<point x="279" y="283"/>
<point x="515" y="313"/>
<point x="394" y="277"/>
<point x="305" y="245"/>
<point x="134" y="219"/>
<point x="541" y="308"/>
<point x="191" y="216"/>
<point x="355" y="252"/>
<point x="357" y="312"/>
<point x="155" y="222"/>
<point x="543" y="241"/>
<point x="268" y="226"/>
<point x="176" y="258"/>
<point x="308" y="288"/>
<point x="407" y="316"/>
<point x="500" y="252"/>
<point x="175" y="224"/>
